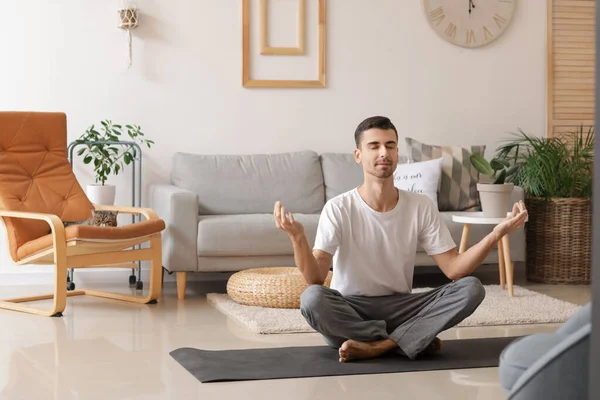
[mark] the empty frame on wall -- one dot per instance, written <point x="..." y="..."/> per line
<point x="264" y="31"/>
<point x="274" y="52"/>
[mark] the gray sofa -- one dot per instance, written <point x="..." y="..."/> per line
<point x="218" y="209"/>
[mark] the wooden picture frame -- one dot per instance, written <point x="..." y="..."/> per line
<point x="320" y="82"/>
<point x="265" y="49"/>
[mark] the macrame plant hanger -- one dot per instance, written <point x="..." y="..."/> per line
<point x="128" y="15"/>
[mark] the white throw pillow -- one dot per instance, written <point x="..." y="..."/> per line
<point x="420" y="177"/>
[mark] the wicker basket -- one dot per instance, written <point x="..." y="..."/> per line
<point x="559" y="240"/>
<point x="274" y="287"/>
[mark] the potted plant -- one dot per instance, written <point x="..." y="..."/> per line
<point x="495" y="195"/>
<point x="107" y="157"/>
<point x="556" y="174"/>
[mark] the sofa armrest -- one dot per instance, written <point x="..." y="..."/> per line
<point x="179" y="209"/>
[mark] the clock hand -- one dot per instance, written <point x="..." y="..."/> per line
<point x="471" y="6"/>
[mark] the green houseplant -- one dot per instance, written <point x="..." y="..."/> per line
<point x="498" y="169"/>
<point x="107" y="157"/>
<point x="556" y="174"/>
<point x="494" y="196"/>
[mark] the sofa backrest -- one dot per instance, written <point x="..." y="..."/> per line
<point x="341" y="173"/>
<point x="247" y="184"/>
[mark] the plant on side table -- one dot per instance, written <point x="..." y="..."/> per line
<point x="556" y="174"/>
<point x="107" y="157"/>
<point x="495" y="195"/>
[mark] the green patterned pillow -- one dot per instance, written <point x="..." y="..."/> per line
<point x="458" y="185"/>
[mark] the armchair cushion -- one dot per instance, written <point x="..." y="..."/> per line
<point x="579" y="319"/>
<point x="522" y="353"/>
<point x="94" y="233"/>
<point x="549" y="365"/>
<point x="35" y="174"/>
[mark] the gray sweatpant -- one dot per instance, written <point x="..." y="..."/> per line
<point x="410" y="320"/>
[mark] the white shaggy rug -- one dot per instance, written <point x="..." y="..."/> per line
<point x="525" y="307"/>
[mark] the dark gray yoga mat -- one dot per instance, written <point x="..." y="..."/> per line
<point x="311" y="361"/>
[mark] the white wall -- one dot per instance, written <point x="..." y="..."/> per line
<point x="185" y="90"/>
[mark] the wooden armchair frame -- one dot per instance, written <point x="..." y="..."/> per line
<point x="88" y="254"/>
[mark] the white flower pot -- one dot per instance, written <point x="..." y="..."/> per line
<point x="101" y="194"/>
<point x="495" y="199"/>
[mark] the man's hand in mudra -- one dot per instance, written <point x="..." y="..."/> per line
<point x="515" y="220"/>
<point x="285" y="221"/>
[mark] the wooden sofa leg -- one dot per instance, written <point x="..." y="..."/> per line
<point x="181" y="277"/>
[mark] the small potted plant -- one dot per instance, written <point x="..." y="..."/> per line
<point x="495" y="194"/>
<point x="107" y="157"/>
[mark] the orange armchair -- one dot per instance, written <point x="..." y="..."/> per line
<point x="39" y="189"/>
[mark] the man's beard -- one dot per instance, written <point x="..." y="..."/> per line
<point x="383" y="174"/>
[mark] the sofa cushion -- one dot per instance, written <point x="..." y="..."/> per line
<point x="420" y="177"/>
<point x="245" y="184"/>
<point x="342" y="173"/>
<point x="458" y="186"/>
<point x="249" y="235"/>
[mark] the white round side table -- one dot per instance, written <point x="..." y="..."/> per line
<point x="505" y="266"/>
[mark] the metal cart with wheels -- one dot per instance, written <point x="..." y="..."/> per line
<point x="136" y="201"/>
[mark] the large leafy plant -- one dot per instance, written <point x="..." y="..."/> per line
<point x="107" y="157"/>
<point x="554" y="167"/>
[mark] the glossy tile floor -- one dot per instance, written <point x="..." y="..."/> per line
<point x="104" y="349"/>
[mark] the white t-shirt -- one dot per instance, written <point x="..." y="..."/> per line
<point x="374" y="252"/>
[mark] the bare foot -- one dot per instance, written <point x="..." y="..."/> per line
<point x="434" y="347"/>
<point x="355" y="350"/>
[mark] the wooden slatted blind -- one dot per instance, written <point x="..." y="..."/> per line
<point x="571" y="64"/>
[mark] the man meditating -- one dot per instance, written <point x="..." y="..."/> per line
<point x="371" y="234"/>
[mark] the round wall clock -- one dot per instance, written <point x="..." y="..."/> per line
<point x="469" y="23"/>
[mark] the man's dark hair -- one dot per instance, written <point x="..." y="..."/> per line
<point x="370" y="123"/>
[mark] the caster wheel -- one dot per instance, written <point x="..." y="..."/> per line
<point x="139" y="285"/>
<point x="132" y="279"/>
<point x="71" y="286"/>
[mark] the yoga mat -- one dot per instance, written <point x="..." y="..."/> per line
<point x="311" y="361"/>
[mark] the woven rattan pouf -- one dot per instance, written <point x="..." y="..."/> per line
<point x="273" y="287"/>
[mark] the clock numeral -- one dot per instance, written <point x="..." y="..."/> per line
<point x="488" y="35"/>
<point x="499" y="20"/>
<point x="437" y="15"/>
<point x="451" y="30"/>
<point x="471" y="36"/>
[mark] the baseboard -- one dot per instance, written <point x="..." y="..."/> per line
<point x="119" y="276"/>
<point x="103" y="276"/>
<point x="43" y="278"/>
